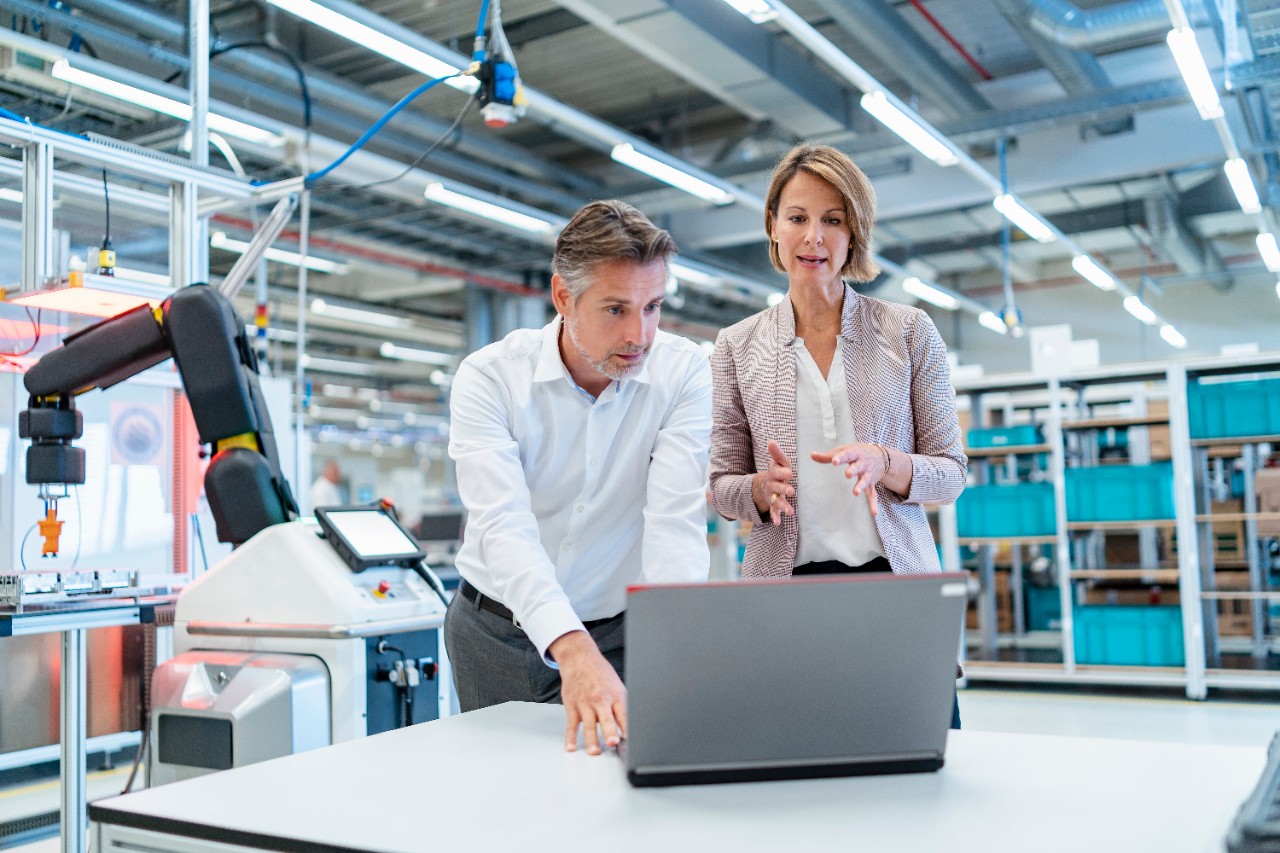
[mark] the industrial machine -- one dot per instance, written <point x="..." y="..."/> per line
<point x="312" y="631"/>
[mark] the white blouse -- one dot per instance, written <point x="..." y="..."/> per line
<point x="834" y="524"/>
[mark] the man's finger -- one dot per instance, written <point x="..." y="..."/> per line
<point x="620" y="714"/>
<point x="589" y="733"/>
<point x="609" y="728"/>
<point x="571" y="729"/>
<point x="873" y="501"/>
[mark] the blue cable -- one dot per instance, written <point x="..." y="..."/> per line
<point x="27" y="121"/>
<point x="401" y="104"/>
<point x="377" y="126"/>
<point x="484" y="16"/>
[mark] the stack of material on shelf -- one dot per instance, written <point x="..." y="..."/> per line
<point x="1158" y="434"/>
<point x="1267" y="483"/>
<point x="1004" y="607"/>
<point x="1235" y="615"/>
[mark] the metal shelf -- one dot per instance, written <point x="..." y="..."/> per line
<point x="1235" y="439"/>
<point x="1105" y="423"/>
<point x="1011" y="450"/>
<point x="1122" y="525"/>
<point x="1146" y="575"/>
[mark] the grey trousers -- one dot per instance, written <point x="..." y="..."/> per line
<point x="493" y="661"/>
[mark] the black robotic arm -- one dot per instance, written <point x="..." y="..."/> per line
<point x="200" y="329"/>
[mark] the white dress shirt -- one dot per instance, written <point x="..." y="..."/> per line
<point x="324" y="492"/>
<point x="571" y="499"/>
<point x="836" y="524"/>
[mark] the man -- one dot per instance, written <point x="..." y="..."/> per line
<point x="325" y="490"/>
<point x="581" y="453"/>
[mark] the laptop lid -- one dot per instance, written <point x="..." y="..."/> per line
<point x="795" y="678"/>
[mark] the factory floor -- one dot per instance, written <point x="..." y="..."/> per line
<point x="1249" y="719"/>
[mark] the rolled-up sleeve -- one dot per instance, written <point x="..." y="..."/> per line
<point x="492" y="486"/>
<point x="675" y="514"/>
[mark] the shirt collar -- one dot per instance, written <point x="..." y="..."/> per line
<point x="786" y="316"/>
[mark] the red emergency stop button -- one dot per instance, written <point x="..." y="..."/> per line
<point x="384" y="586"/>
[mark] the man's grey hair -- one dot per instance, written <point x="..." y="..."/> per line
<point x="605" y="231"/>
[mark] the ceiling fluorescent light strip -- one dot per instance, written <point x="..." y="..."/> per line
<point x="1269" y="250"/>
<point x="219" y="240"/>
<point x="1093" y="273"/>
<point x="366" y="36"/>
<point x="66" y="72"/>
<point x="902" y="122"/>
<point x="1195" y="74"/>
<point x="758" y="11"/>
<point x="693" y="275"/>
<point x="1242" y="185"/>
<point x="626" y="154"/>
<point x="933" y="295"/>
<point x="1172" y="336"/>
<point x="1139" y="309"/>
<point x="324" y="308"/>
<point x="989" y="320"/>
<point x="421" y="356"/>
<point x="438" y="193"/>
<point x="1027" y="220"/>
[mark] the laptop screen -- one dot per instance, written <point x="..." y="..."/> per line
<point x="798" y="677"/>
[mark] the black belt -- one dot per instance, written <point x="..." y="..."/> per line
<point x="497" y="608"/>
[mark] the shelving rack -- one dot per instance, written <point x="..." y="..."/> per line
<point x="1071" y="410"/>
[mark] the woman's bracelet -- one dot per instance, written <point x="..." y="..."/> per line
<point x="888" y="460"/>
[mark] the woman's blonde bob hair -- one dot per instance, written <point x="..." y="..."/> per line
<point x="833" y="166"/>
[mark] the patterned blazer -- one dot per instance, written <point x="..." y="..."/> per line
<point x="900" y="394"/>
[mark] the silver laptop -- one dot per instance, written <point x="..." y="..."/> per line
<point x="799" y="678"/>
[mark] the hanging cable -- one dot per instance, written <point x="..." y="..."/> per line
<point x="106" y="255"/>
<point x="287" y="57"/>
<point x="377" y="126"/>
<point x="35" y="341"/>
<point x="421" y="157"/>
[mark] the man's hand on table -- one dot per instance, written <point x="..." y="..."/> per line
<point x="594" y="696"/>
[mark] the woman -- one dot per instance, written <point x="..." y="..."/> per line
<point x="826" y="382"/>
<point x="829" y="383"/>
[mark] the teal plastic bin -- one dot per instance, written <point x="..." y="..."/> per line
<point x="1120" y="492"/>
<point x="1124" y="635"/>
<point x="1044" y="608"/>
<point x="1021" y="509"/>
<point x="1011" y="436"/>
<point x="1229" y="409"/>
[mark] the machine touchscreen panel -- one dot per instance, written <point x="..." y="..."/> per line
<point x="366" y="537"/>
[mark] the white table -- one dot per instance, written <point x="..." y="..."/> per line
<point x="499" y="780"/>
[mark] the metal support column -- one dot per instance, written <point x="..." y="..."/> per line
<point x="1184" y="501"/>
<point x="198" y="86"/>
<point x="72" y="735"/>
<point x="183" y="219"/>
<point x="37" y="214"/>
<point x="1062" y="553"/>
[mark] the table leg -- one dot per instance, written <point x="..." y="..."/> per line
<point x="73" y="732"/>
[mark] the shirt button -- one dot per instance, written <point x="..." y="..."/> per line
<point x="566" y="546"/>
<point x="593" y="463"/>
<point x="581" y="507"/>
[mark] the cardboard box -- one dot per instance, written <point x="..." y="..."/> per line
<point x="1158" y="434"/>
<point x="1267" y="483"/>
<point x="1004" y="607"/>
<point x="1235" y="618"/>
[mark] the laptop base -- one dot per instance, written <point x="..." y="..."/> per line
<point x="664" y="778"/>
